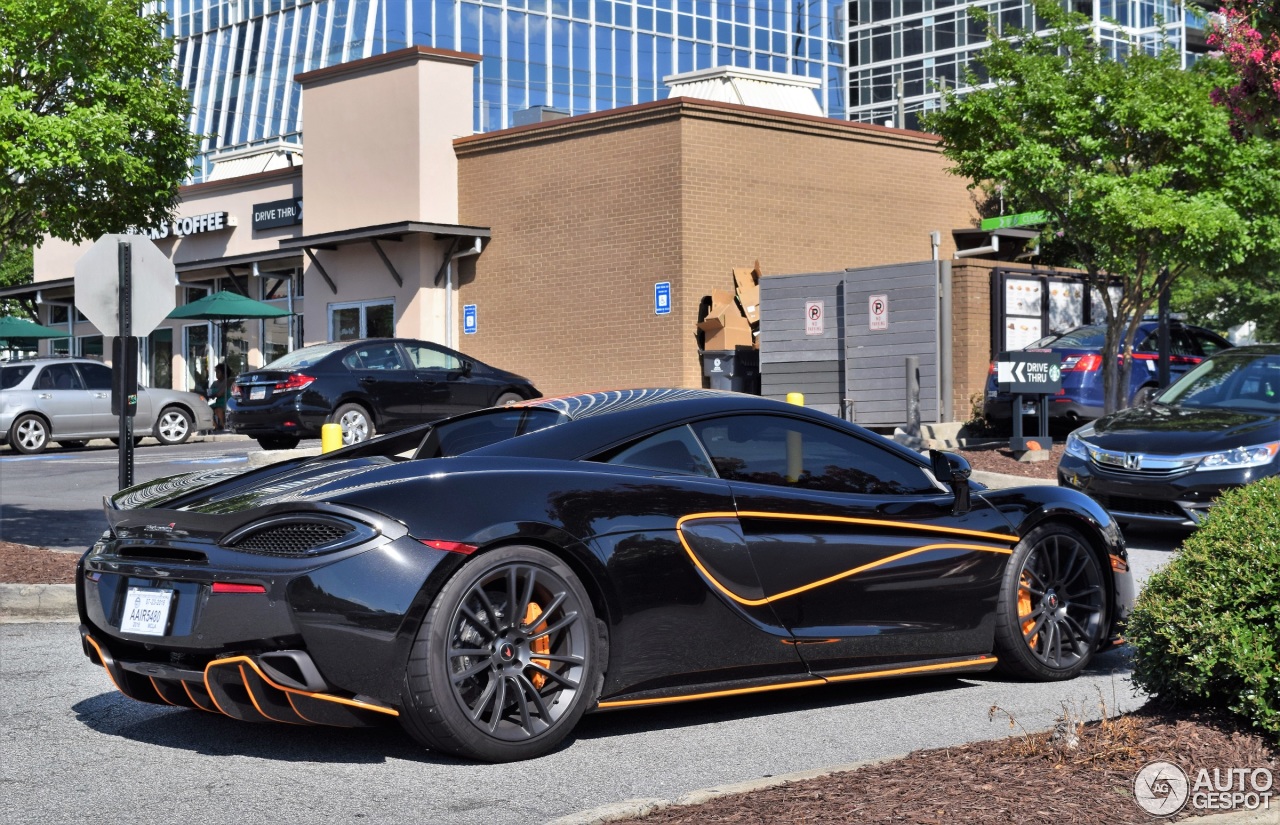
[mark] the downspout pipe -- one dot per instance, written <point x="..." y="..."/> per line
<point x="476" y="247"/>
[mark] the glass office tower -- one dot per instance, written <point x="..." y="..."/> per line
<point x="911" y="49"/>
<point x="237" y="58"/>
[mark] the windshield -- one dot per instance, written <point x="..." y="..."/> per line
<point x="1233" y="380"/>
<point x="471" y="432"/>
<point x="306" y="356"/>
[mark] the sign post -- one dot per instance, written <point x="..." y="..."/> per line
<point x="125" y="286"/>
<point x="1029" y="373"/>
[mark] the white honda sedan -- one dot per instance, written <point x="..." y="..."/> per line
<point x="68" y="400"/>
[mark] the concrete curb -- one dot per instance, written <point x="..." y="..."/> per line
<point x="999" y="481"/>
<point x="38" y="603"/>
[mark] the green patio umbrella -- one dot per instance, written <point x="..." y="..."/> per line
<point x="20" y="329"/>
<point x="222" y="307"/>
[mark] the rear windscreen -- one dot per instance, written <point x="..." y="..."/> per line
<point x="471" y="432"/>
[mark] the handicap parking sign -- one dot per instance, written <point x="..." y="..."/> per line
<point x="662" y="298"/>
<point x="469" y="319"/>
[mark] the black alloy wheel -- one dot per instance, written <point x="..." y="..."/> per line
<point x="1052" y="612"/>
<point x="507" y="659"/>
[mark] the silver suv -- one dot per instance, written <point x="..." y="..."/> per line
<point x="68" y="400"/>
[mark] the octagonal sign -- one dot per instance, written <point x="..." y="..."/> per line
<point x="97" y="284"/>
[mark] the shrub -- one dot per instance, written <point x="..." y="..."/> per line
<point x="1206" y="628"/>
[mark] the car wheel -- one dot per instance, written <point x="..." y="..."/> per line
<point x="507" y="659"/>
<point x="356" y="424"/>
<point x="507" y="399"/>
<point x="1144" y="396"/>
<point x="1052" y="611"/>
<point x="173" y="426"/>
<point x="73" y="444"/>
<point x="29" y="434"/>
<point x="278" y="442"/>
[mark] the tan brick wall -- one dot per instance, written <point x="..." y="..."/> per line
<point x="588" y="213"/>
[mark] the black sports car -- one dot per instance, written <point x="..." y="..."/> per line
<point x="368" y="386"/>
<point x="490" y="578"/>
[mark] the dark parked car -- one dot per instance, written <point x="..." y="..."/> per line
<point x="1081" y="396"/>
<point x="488" y="579"/>
<point x="1165" y="463"/>
<point x="367" y="386"/>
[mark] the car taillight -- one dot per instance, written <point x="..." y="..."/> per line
<point x="297" y="381"/>
<point x="992" y="369"/>
<point x="1081" y="363"/>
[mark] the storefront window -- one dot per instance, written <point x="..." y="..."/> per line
<point x="198" y="358"/>
<point x="369" y="319"/>
<point x="60" y="346"/>
<point x="160" y="358"/>
<point x="90" y="346"/>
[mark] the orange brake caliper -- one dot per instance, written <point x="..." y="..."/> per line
<point x="542" y="645"/>
<point x="1024" y="608"/>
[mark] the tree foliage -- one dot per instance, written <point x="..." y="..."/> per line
<point x="1135" y="167"/>
<point x="16" y="269"/>
<point x="93" y="128"/>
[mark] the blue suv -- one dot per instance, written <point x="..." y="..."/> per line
<point x="1080" y="398"/>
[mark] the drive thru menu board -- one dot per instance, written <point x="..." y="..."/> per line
<point x="1023" y="306"/>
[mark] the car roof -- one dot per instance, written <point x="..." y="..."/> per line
<point x="600" y="420"/>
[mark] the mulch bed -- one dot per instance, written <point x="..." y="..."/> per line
<point x="997" y="458"/>
<point x="23" y="564"/>
<point x="1022" y="779"/>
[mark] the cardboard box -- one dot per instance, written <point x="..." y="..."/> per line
<point x="725" y="328"/>
<point x="747" y="282"/>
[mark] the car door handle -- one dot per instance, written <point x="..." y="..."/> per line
<point x="45" y="396"/>
<point x="100" y="395"/>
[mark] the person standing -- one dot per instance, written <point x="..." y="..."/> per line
<point x="218" y="392"/>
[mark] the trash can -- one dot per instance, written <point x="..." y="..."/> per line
<point x="737" y="370"/>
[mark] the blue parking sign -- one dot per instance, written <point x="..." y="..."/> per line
<point x="469" y="319"/>
<point x="662" y="298"/>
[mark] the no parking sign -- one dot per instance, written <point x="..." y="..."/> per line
<point x="813" y="321"/>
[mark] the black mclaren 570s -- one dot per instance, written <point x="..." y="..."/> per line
<point x="489" y="578"/>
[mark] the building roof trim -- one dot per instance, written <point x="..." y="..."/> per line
<point x="673" y="108"/>
<point x="264" y="256"/>
<point x="388" y="60"/>
<point x="35" y="286"/>
<point x="242" y="182"/>
<point x="386" y="231"/>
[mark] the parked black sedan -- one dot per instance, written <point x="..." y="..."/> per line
<point x="488" y="579"/>
<point x="367" y="386"/>
<point x="1166" y="462"/>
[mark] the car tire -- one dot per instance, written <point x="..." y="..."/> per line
<point x="356" y="423"/>
<point x="477" y="684"/>
<point x="1052" y="610"/>
<point x="73" y="444"/>
<point x="1144" y="395"/>
<point x="29" y="435"/>
<point x="173" y="426"/>
<point x="507" y="399"/>
<point x="278" y="442"/>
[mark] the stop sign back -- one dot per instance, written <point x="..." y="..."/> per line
<point x="97" y="282"/>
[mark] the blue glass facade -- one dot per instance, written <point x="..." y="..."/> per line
<point x="237" y="58"/>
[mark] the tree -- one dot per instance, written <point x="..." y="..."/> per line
<point x="1248" y="33"/>
<point x="1135" y="167"/>
<point x="15" y="269"/>
<point x="93" y="128"/>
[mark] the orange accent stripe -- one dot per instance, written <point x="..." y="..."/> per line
<point x="324" y="697"/>
<point x="160" y="693"/>
<point x="248" y="688"/>
<point x="902" y="671"/>
<point x="838" y="576"/>
<point x="294" y="705"/>
<point x="626" y="703"/>
<point x="104" y="665"/>
<point x="817" y="680"/>
<point x="193" y="698"/>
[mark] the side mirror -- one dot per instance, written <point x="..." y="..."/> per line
<point x="953" y="471"/>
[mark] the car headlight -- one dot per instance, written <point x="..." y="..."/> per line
<point x="1240" y="457"/>
<point x="1077" y="447"/>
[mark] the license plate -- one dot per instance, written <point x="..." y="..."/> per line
<point x="257" y="393"/>
<point x="146" y="611"/>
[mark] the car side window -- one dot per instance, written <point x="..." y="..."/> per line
<point x="12" y="376"/>
<point x="1208" y="344"/>
<point x="787" y="452"/>
<point x="674" y="451"/>
<point x="59" y="377"/>
<point x="429" y="358"/>
<point x="96" y="376"/>
<point x="383" y="356"/>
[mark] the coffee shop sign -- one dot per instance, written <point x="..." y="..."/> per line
<point x="192" y="225"/>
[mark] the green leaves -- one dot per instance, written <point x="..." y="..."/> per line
<point x="93" y="128"/>
<point x="1135" y="165"/>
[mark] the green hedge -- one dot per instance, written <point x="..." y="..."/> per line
<point x="1206" y="628"/>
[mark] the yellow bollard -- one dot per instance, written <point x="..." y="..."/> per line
<point x="796" y="398"/>
<point x="330" y="437"/>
